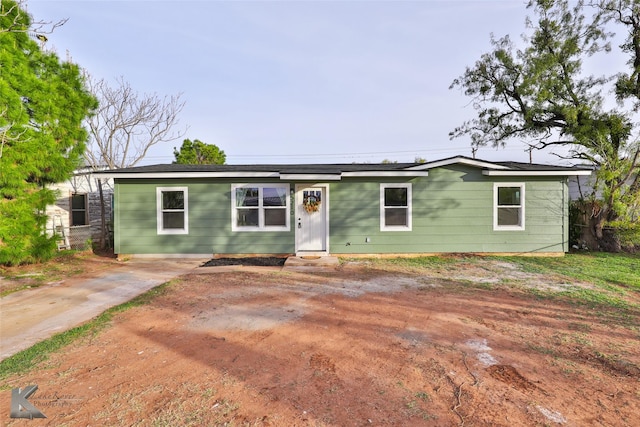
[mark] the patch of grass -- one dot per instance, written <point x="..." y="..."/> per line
<point x="425" y="261"/>
<point x="411" y="404"/>
<point x="423" y="395"/>
<point x="179" y="416"/>
<point x="582" y="340"/>
<point x="570" y="368"/>
<point x="599" y="268"/>
<point x="595" y="298"/>
<point x="62" y="265"/>
<point x="577" y="326"/>
<point x="487" y="286"/>
<point x="613" y="277"/>
<point x="5" y="292"/>
<point x="196" y="411"/>
<point x="29" y="358"/>
<point x="543" y="350"/>
<point x="436" y="263"/>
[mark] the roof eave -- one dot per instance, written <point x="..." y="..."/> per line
<point x="309" y="177"/>
<point x="277" y="175"/>
<point x="535" y="173"/>
<point x="400" y="173"/>
<point x="458" y="160"/>
<point x="155" y="175"/>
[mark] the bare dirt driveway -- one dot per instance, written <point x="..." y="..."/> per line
<point x="463" y="344"/>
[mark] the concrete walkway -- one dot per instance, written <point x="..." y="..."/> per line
<point x="30" y="316"/>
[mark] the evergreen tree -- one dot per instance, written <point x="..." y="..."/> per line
<point x="43" y="102"/>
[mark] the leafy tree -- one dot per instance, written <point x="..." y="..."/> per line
<point x="43" y="103"/>
<point x="539" y="93"/>
<point x="197" y="152"/>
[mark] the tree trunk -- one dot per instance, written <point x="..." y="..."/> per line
<point x="600" y="237"/>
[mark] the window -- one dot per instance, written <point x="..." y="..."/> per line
<point x="172" y="210"/>
<point x="395" y="207"/>
<point x="508" y="211"/>
<point x="260" y="207"/>
<point x="78" y="209"/>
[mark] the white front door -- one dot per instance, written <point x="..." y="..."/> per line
<point x="311" y="220"/>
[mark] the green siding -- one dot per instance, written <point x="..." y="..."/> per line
<point x="209" y="222"/>
<point x="452" y="212"/>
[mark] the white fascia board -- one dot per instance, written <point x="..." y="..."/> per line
<point x="361" y="174"/>
<point x="458" y="160"/>
<point x="281" y="176"/>
<point x="535" y="173"/>
<point x="89" y="170"/>
<point x="405" y="173"/>
<point x="309" y="177"/>
<point x="155" y="175"/>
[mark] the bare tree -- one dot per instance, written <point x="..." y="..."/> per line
<point x="127" y="124"/>
<point x="17" y="23"/>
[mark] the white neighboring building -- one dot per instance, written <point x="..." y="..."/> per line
<point x="76" y="215"/>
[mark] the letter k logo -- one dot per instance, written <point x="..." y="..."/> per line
<point x="20" y="406"/>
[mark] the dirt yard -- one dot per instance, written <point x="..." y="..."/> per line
<point x="461" y="345"/>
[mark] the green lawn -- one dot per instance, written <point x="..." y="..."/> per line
<point x="614" y="277"/>
<point x="599" y="268"/>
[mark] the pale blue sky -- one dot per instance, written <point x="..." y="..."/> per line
<point x="297" y="82"/>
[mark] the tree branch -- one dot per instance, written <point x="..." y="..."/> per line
<point x="128" y="124"/>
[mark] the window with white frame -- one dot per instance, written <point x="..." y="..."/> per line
<point x="508" y="206"/>
<point x="172" y="210"/>
<point x="260" y="207"/>
<point x="395" y="207"/>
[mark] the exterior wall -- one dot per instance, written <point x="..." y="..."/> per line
<point x="59" y="214"/>
<point x="452" y="211"/>
<point x="210" y="232"/>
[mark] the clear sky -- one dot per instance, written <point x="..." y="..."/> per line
<point x="297" y="81"/>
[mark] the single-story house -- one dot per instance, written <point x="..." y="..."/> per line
<point x="454" y="205"/>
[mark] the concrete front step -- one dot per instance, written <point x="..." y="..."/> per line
<point x="311" y="261"/>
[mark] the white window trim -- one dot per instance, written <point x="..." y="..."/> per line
<point x="496" y="186"/>
<point x="261" y="226"/>
<point x="407" y="227"/>
<point x="159" y="220"/>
